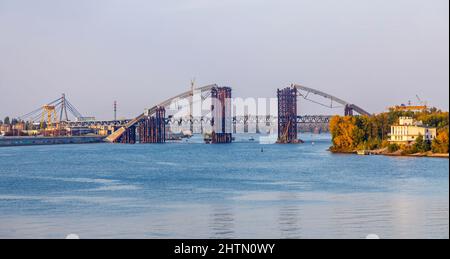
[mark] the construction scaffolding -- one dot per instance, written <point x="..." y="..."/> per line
<point x="348" y="110"/>
<point x="221" y="121"/>
<point x="287" y="115"/>
<point x="153" y="129"/>
<point x="129" y="136"/>
<point x="149" y="129"/>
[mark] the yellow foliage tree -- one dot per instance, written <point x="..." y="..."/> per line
<point x="441" y="142"/>
<point x="344" y="131"/>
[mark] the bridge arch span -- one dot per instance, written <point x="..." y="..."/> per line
<point x="349" y="107"/>
<point x="152" y="111"/>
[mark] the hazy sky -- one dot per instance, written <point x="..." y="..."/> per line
<point x="374" y="53"/>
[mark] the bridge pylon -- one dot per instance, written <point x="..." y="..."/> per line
<point x="221" y="121"/>
<point x="152" y="129"/>
<point x="287" y="116"/>
<point x="348" y="110"/>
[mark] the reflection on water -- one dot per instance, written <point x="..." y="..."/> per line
<point x="305" y="215"/>
<point x="289" y="217"/>
<point x="219" y="191"/>
<point x="222" y="222"/>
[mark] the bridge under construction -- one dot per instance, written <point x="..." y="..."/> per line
<point x="152" y="125"/>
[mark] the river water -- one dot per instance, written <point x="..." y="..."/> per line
<point x="241" y="190"/>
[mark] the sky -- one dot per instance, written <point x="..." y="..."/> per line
<point x="371" y="53"/>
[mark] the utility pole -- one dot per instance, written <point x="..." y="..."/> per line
<point x="191" y="117"/>
<point x="115" y="110"/>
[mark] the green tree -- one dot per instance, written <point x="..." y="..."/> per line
<point x="426" y="146"/>
<point x="418" y="145"/>
<point x="393" y="148"/>
<point x="422" y="145"/>
<point x="7" y="120"/>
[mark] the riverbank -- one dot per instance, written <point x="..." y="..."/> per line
<point x="31" y="141"/>
<point x="385" y="152"/>
<point x="423" y="155"/>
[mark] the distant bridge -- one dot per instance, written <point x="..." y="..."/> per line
<point x="241" y="124"/>
<point x="302" y="119"/>
<point x="97" y="123"/>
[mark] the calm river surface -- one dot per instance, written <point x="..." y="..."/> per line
<point x="219" y="191"/>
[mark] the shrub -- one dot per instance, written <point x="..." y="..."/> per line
<point x="393" y="148"/>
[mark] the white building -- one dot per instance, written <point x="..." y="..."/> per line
<point x="408" y="130"/>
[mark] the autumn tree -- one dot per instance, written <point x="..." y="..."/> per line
<point x="441" y="142"/>
<point x="344" y="133"/>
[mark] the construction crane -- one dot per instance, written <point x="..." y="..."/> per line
<point x="420" y="101"/>
<point x="115" y="110"/>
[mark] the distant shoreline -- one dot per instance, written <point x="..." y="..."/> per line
<point x="382" y="152"/>
<point x="36" y="141"/>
